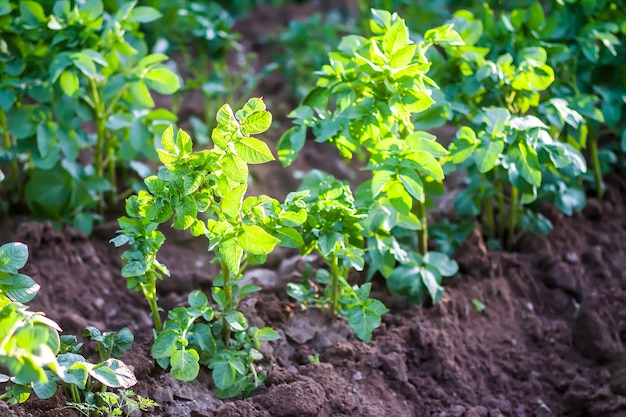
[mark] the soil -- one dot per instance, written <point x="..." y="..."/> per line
<point x="550" y="341"/>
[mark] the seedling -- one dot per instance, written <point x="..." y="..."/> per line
<point x="479" y="306"/>
<point x="110" y="344"/>
<point x="113" y="404"/>
<point x="240" y="232"/>
<point x="333" y="230"/>
<point x="29" y="341"/>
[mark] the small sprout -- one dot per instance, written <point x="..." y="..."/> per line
<point x="314" y="359"/>
<point x="478" y="305"/>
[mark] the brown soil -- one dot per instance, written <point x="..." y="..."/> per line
<point x="549" y="342"/>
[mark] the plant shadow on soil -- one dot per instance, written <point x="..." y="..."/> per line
<point x="549" y="341"/>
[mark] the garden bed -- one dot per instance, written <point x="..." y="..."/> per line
<point x="547" y="343"/>
<point x="537" y="331"/>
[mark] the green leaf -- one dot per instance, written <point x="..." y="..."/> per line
<point x="140" y="94"/>
<point x="446" y="266"/>
<point x="256" y="241"/>
<point x="32" y="12"/>
<point x="186" y="212"/>
<point x="124" y="339"/>
<point x="191" y="182"/>
<point x="231" y="203"/>
<point x="164" y="344"/>
<point x="570" y="200"/>
<point x="253" y="151"/>
<point x="235" y="168"/>
<point x="290" y="143"/>
<point x="185" y="366"/>
<point x="267" y="333"/>
<point x="113" y="373"/>
<point x="45" y="390"/>
<point x="85" y="64"/>
<point x="236" y="321"/>
<point x="167" y="140"/>
<point x="224" y="374"/>
<point x="396" y="38"/>
<point x="412" y="183"/>
<point x="92" y="8"/>
<point x="379" y="181"/>
<point x="425" y="142"/>
<point x="231" y="254"/>
<point x="527" y="161"/>
<point x="443" y="34"/>
<point x="162" y="80"/>
<point x="363" y="319"/>
<point x="69" y="83"/>
<point x="13" y="256"/>
<point x="22" y="289"/>
<point x="256" y="123"/>
<point x="144" y="14"/>
<point x="431" y="278"/>
<point x="487" y="153"/>
<point x="289" y="237"/>
<point x="183" y="142"/>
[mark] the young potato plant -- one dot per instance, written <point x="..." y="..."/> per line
<point x="240" y="231"/>
<point x="333" y="230"/>
<point x="364" y="104"/>
<point x="584" y="46"/>
<point x="82" y="381"/>
<point x="30" y="346"/>
<point x="122" y="403"/>
<point x="29" y="341"/>
<point x="76" y="81"/>
<point x="514" y="153"/>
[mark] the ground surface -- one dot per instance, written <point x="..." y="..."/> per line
<point x="549" y="342"/>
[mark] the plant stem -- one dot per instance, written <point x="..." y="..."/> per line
<point x="13" y="167"/>
<point x="422" y="234"/>
<point x="75" y="393"/>
<point x="489" y="219"/>
<point x="512" y="216"/>
<point x="229" y="300"/>
<point x="501" y="218"/>
<point x="112" y="176"/>
<point x="334" y="285"/>
<point x="597" y="169"/>
<point x="149" y="292"/>
<point x="100" y="134"/>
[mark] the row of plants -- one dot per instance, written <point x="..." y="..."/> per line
<point x="519" y="140"/>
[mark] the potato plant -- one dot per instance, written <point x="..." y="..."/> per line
<point x="582" y="44"/>
<point x="29" y="341"/>
<point x="363" y="104"/>
<point x="240" y="232"/>
<point x="76" y="79"/>
<point x="333" y="230"/>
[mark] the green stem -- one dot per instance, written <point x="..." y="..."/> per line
<point x="512" y="216"/>
<point x="100" y="133"/>
<point x="489" y="218"/>
<point x="229" y="300"/>
<point x="149" y="292"/>
<point x="597" y="169"/>
<point x="75" y="394"/>
<point x="501" y="218"/>
<point x="422" y="234"/>
<point x="334" y="285"/>
<point x="112" y="177"/>
<point x="8" y="143"/>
